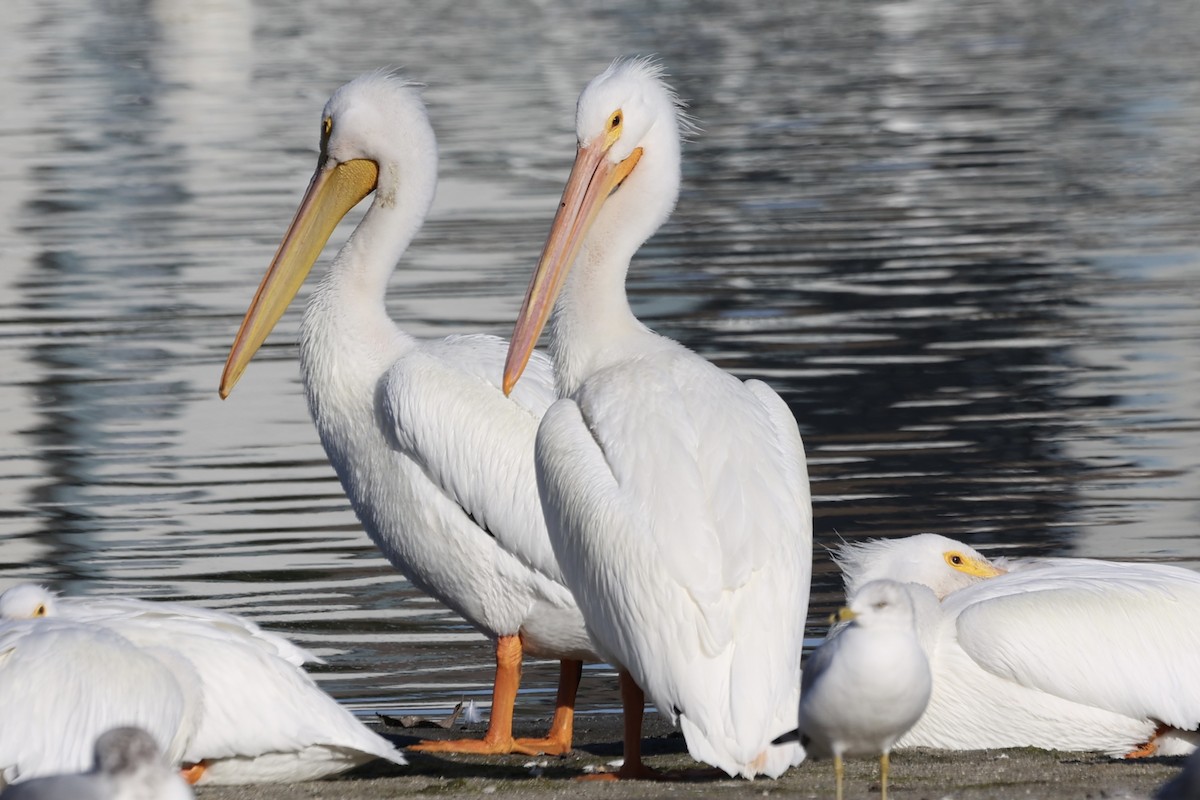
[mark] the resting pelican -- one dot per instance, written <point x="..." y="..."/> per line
<point x="253" y="715"/>
<point x="938" y="562"/>
<point x="1061" y="654"/>
<point x="30" y="601"/>
<point x="676" y="495"/>
<point x="436" y="461"/>
<point x="127" y="765"/>
<point x="54" y="707"/>
<point x="867" y="684"/>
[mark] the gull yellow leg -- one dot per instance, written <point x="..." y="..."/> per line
<point x="838" y="773"/>
<point x="884" y="763"/>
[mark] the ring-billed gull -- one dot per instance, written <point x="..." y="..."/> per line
<point x="867" y="683"/>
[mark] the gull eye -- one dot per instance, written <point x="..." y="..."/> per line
<point x="882" y="604"/>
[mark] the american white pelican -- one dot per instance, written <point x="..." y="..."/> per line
<point x="126" y="765"/>
<point x="56" y="702"/>
<point x="1061" y="654"/>
<point x="942" y="564"/>
<point x="867" y="684"/>
<point x="30" y="601"/>
<point x="436" y="461"/>
<point x="676" y="495"/>
<point x="253" y="715"/>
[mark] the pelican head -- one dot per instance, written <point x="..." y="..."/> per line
<point x="27" y="601"/>
<point x="622" y="187"/>
<point x="940" y="563"/>
<point x="375" y="136"/>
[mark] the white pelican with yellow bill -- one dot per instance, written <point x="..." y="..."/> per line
<point x="437" y="462"/>
<point x="676" y="495"/>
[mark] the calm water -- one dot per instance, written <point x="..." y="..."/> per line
<point x="961" y="239"/>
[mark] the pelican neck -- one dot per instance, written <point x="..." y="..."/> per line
<point x="346" y="335"/>
<point x="592" y="325"/>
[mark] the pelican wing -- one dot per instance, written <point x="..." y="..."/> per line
<point x="62" y="684"/>
<point x="445" y="410"/>
<point x="258" y="704"/>
<point x="1122" y="637"/>
<point x="165" y="615"/>
<point x="694" y="550"/>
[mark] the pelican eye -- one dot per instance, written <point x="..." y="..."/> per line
<point x="882" y="604"/>
<point x="955" y="559"/>
<point x="40" y="611"/>
<point x="614" y="129"/>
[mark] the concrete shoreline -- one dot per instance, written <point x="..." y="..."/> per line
<point x="915" y="775"/>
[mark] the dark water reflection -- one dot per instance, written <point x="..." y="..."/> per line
<point x="959" y="238"/>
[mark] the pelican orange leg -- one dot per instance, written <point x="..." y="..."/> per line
<point x="557" y="741"/>
<point x="499" y="739"/>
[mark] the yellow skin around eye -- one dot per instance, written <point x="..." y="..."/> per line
<point x="978" y="567"/>
<point x="615" y="126"/>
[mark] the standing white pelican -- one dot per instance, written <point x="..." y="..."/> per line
<point x="1061" y="654"/>
<point x="126" y="765"/>
<point x="676" y="495"/>
<point x="254" y="715"/>
<point x="436" y="461"/>
<point x="867" y="684"/>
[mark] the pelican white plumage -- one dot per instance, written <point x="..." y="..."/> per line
<point x="938" y="562"/>
<point x="31" y="601"/>
<point x="868" y="683"/>
<point x="437" y="462"/>
<point x="676" y="495"/>
<point x="55" y="705"/>
<point x="127" y="765"/>
<point x="1061" y="654"/>
<point x="251" y="714"/>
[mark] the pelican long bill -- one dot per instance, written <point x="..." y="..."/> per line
<point x="332" y="192"/>
<point x="593" y="178"/>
